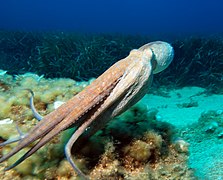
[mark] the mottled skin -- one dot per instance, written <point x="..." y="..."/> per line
<point x="118" y="88"/>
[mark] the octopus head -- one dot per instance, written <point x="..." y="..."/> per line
<point x="163" y="54"/>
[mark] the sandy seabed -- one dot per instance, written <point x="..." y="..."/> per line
<point x="193" y="112"/>
<point x="196" y="115"/>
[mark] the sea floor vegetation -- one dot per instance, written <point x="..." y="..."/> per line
<point x="198" y="60"/>
<point x="135" y="145"/>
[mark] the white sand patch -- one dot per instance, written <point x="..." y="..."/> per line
<point x="205" y="156"/>
<point x="170" y="108"/>
<point x="207" y="159"/>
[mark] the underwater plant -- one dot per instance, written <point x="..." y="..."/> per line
<point x="17" y="50"/>
<point x="81" y="56"/>
<point x="198" y="62"/>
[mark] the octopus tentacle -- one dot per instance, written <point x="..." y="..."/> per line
<point x="38" y="116"/>
<point x="64" y="124"/>
<point x="71" y="111"/>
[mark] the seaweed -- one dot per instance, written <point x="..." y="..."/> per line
<point x="198" y="60"/>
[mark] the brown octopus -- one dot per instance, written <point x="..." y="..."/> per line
<point x="117" y="89"/>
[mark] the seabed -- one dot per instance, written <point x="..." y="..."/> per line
<point x="169" y="134"/>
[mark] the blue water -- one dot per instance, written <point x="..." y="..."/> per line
<point x="155" y="18"/>
<point x="122" y="16"/>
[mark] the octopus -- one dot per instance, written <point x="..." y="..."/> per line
<point x="112" y="93"/>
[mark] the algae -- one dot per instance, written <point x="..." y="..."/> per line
<point x="134" y="145"/>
